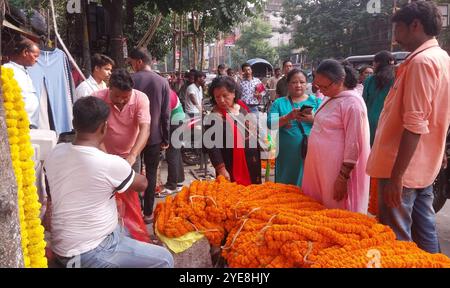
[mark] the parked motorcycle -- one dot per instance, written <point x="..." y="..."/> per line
<point x="441" y="186"/>
<point x="192" y="156"/>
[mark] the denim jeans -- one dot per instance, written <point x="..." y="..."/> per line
<point x="120" y="251"/>
<point x="151" y="160"/>
<point x="175" y="167"/>
<point x="414" y="220"/>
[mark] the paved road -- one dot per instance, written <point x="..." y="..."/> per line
<point x="443" y="225"/>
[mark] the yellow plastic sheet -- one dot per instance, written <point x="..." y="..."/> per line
<point x="180" y="244"/>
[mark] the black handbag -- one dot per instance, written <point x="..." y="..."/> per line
<point x="304" y="143"/>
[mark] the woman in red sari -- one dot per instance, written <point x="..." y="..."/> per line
<point x="233" y="150"/>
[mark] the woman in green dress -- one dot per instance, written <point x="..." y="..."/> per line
<point x="287" y="114"/>
<point x="376" y="88"/>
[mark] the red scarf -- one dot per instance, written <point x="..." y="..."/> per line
<point x="240" y="169"/>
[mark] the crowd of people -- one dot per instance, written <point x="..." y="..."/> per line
<point x="383" y="121"/>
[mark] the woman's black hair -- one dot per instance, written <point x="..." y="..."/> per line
<point x="364" y="68"/>
<point x="294" y="72"/>
<point x="228" y="83"/>
<point x="336" y="72"/>
<point x="89" y="113"/>
<point x="384" y="73"/>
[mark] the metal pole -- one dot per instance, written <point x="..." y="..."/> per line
<point x="393" y="26"/>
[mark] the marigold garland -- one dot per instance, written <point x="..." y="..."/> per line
<point x="265" y="162"/>
<point x="32" y="232"/>
<point x="277" y="226"/>
<point x="373" y="199"/>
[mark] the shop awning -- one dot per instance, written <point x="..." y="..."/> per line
<point x="24" y="32"/>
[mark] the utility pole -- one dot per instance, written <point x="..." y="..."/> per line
<point x="181" y="43"/>
<point x="393" y="26"/>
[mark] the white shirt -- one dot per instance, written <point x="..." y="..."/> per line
<point x="82" y="182"/>
<point x="29" y="94"/>
<point x="198" y="93"/>
<point x="87" y="88"/>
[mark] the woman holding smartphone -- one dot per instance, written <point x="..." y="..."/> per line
<point x="293" y="117"/>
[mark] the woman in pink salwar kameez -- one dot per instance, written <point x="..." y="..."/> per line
<point x="339" y="144"/>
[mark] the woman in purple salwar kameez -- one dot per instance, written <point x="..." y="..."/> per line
<point x="339" y="144"/>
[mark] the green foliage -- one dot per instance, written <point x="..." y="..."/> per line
<point x="216" y="16"/>
<point x="144" y="15"/>
<point x="284" y="52"/>
<point x="338" y="28"/>
<point x="253" y="43"/>
<point x="444" y="37"/>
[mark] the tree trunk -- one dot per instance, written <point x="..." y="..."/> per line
<point x="174" y="42"/>
<point x="180" y="68"/>
<point x="115" y="10"/>
<point x="188" y="49"/>
<point x="195" y="19"/>
<point x="130" y="14"/>
<point x="10" y="240"/>
<point x="86" y="49"/>
<point x="202" y="52"/>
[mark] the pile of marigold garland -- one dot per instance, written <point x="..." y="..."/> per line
<point x="32" y="232"/>
<point x="276" y="226"/>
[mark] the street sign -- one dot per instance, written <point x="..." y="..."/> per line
<point x="230" y="41"/>
<point x="444" y="8"/>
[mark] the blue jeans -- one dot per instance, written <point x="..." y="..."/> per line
<point x="414" y="220"/>
<point x="120" y="251"/>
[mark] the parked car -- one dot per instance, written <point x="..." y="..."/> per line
<point x="360" y="60"/>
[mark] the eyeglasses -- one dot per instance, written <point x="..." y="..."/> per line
<point x="322" y="88"/>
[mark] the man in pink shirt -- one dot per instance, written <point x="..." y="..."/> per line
<point x="409" y="144"/>
<point x="129" y="121"/>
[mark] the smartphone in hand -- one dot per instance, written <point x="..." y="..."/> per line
<point x="306" y="109"/>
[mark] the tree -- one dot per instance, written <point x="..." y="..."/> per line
<point x="444" y="37"/>
<point x="338" y="28"/>
<point x="254" y="43"/>
<point x="116" y="10"/>
<point x="10" y="240"/>
<point x="284" y="51"/>
<point x="213" y="16"/>
<point x="143" y="15"/>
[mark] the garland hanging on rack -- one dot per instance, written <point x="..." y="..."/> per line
<point x="32" y="232"/>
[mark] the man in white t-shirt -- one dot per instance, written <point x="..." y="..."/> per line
<point x="102" y="66"/>
<point x="194" y="95"/>
<point x="25" y="54"/>
<point x="83" y="181"/>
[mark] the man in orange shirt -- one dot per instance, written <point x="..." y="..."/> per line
<point x="129" y="121"/>
<point x="409" y="145"/>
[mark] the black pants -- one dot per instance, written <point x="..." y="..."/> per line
<point x="175" y="169"/>
<point x="151" y="160"/>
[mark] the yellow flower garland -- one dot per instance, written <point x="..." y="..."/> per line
<point x="32" y="232"/>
